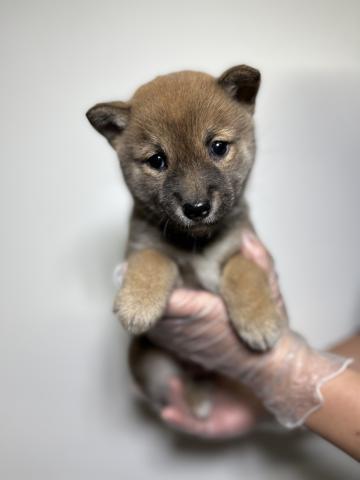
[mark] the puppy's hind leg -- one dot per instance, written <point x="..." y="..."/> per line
<point x="153" y="370"/>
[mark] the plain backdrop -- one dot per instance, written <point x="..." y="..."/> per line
<point x="66" y="406"/>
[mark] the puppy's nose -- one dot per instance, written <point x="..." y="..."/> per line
<point x="197" y="211"/>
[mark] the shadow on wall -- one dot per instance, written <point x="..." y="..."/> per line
<point x="309" y="148"/>
<point x="276" y="446"/>
<point x="356" y="315"/>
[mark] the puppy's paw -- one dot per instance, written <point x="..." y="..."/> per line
<point x="138" y="313"/>
<point x="255" y="313"/>
<point x="261" y="337"/>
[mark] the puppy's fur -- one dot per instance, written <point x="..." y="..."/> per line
<point x="179" y="117"/>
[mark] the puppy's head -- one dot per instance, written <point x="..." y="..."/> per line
<point x="186" y="144"/>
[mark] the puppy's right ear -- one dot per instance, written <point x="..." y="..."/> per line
<point x="110" y="119"/>
<point x="242" y="84"/>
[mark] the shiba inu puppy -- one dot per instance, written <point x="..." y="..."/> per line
<point x="186" y="146"/>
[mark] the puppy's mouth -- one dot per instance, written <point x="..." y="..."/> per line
<point x="196" y="219"/>
<point x="178" y="225"/>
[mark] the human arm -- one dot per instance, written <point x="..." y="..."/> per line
<point x="338" y="421"/>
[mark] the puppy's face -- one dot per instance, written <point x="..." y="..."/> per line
<point x="186" y="144"/>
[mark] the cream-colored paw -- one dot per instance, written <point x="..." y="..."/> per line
<point x="138" y="313"/>
<point x="260" y="339"/>
<point x="260" y="335"/>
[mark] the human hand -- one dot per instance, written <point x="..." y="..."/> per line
<point x="287" y="379"/>
<point x="234" y="410"/>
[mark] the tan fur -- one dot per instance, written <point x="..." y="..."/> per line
<point x="149" y="279"/>
<point x="246" y="292"/>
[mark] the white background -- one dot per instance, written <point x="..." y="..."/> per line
<point x="66" y="407"/>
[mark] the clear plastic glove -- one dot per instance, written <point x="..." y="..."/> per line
<point x="233" y="409"/>
<point x="287" y="379"/>
<point x="190" y="399"/>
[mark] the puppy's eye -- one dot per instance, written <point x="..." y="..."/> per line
<point x="219" y="149"/>
<point x="158" y="161"/>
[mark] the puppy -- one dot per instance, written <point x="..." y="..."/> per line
<point x="186" y="146"/>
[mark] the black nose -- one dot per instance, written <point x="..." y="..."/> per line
<point x="196" y="211"/>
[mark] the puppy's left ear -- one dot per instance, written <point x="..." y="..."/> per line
<point x="241" y="83"/>
<point x="109" y="119"/>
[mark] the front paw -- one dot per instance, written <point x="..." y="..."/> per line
<point x="261" y="335"/>
<point x="257" y="316"/>
<point x="138" y="313"/>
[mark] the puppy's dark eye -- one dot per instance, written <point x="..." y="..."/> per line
<point x="158" y="161"/>
<point x="218" y="148"/>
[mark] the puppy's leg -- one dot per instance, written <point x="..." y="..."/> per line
<point x="245" y="288"/>
<point x="153" y="369"/>
<point x="149" y="280"/>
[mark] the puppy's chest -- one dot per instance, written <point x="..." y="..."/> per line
<point x="200" y="271"/>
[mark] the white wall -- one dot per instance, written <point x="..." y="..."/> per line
<point x="66" y="408"/>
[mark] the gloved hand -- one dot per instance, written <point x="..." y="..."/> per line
<point x="287" y="379"/>
<point x="232" y="409"/>
<point x="189" y="398"/>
